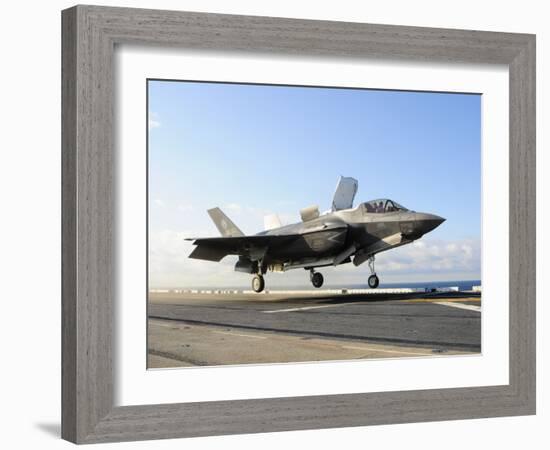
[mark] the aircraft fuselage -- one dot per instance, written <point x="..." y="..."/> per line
<point x="331" y="234"/>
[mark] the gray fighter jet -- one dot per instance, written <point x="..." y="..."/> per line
<point x="342" y="235"/>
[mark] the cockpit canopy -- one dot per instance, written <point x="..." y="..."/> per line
<point x="383" y="205"/>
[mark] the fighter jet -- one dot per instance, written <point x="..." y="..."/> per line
<point x="341" y="235"/>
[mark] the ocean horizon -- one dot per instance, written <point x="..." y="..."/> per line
<point x="463" y="285"/>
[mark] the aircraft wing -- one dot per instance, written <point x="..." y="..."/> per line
<point x="216" y="248"/>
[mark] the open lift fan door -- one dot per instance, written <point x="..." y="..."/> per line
<point x="345" y="193"/>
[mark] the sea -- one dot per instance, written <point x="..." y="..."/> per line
<point x="463" y="285"/>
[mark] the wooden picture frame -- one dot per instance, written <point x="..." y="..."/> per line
<point x="90" y="34"/>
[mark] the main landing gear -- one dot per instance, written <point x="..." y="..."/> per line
<point x="373" y="279"/>
<point x="316" y="278"/>
<point x="258" y="283"/>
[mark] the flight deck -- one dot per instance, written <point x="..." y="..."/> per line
<point x="229" y="327"/>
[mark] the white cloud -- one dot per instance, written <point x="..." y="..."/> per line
<point x="154" y="121"/>
<point x="429" y="256"/>
<point x="423" y="260"/>
<point x="185" y="208"/>
<point x="159" y="202"/>
<point x="170" y="265"/>
<point x="233" y="207"/>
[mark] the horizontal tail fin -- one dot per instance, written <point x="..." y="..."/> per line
<point x="224" y="224"/>
<point x="208" y="253"/>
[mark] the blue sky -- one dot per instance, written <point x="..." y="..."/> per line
<point x="256" y="149"/>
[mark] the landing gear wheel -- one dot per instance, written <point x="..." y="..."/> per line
<point x="373" y="281"/>
<point x="317" y="279"/>
<point x="258" y="283"/>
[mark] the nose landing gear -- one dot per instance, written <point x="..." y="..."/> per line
<point x="373" y="279"/>
<point x="316" y="278"/>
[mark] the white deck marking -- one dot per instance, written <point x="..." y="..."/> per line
<point x="240" y="335"/>
<point x="387" y="351"/>
<point x="460" y="305"/>
<point x="304" y="308"/>
<point x="158" y="323"/>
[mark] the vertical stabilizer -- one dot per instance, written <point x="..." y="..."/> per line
<point x="272" y="221"/>
<point x="224" y="224"/>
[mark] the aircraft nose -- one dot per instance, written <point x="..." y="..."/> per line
<point x="427" y="222"/>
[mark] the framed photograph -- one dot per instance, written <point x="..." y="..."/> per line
<point x="267" y="222"/>
<point x="316" y="267"/>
